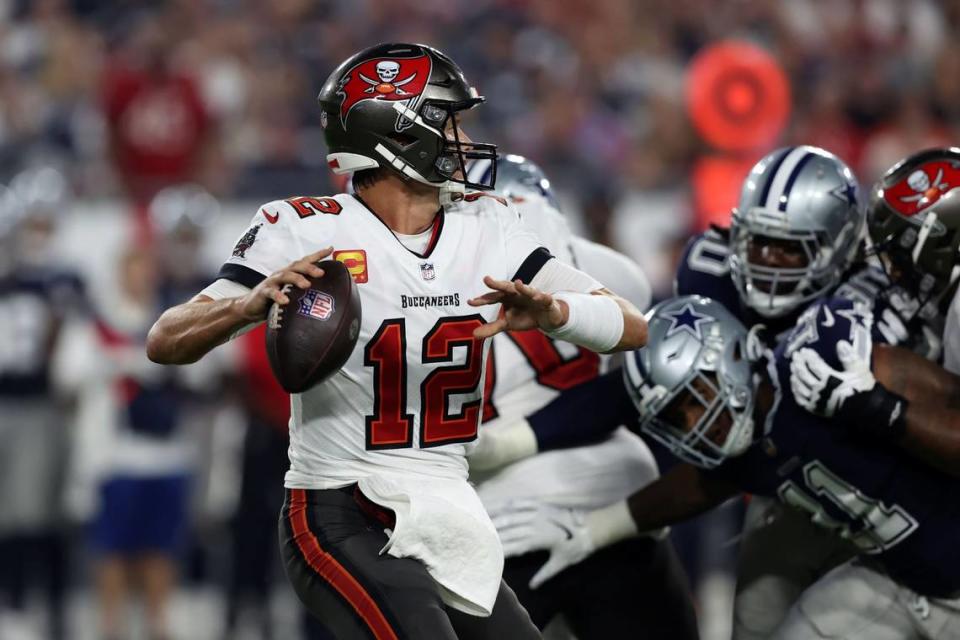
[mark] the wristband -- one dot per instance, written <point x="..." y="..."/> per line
<point x="878" y="413"/>
<point x="594" y="322"/>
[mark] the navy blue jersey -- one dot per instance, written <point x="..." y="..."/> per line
<point x="889" y="504"/>
<point x="32" y="307"/>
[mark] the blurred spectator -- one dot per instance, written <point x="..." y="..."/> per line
<point x="36" y="296"/>
<point x="159" y="127"/>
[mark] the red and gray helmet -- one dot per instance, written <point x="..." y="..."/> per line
<point x="388" y="106"/>
<point x="914" y="221"/>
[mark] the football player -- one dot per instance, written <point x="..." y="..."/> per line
<point x="37" y="296"/>
<point x="381" y="533"/>
<point x="709" y="390"/>
<point x="914" y="224"/>
<point x="527" y="370"/>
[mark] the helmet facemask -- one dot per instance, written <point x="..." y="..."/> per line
<point x="774" y="290"/>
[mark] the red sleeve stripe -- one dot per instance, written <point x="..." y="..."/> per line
<point x="333" y="572"/>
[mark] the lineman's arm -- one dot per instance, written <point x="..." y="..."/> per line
<point x="932" y="430"/>
<point x="187" y="332"/>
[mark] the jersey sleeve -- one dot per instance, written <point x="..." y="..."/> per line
<point x="267" y="245"/>
<point x="616" y="271"/>
<point x="584" y="414"/>
<point x="525" y="251"/>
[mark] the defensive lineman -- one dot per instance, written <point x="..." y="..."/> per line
<point x="381" y="533"/>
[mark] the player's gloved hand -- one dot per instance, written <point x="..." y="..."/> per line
<point x="853" y="396"/>
<point x="524" y="308"/>
<point x="570" y="534"/>
<point x="821" y="389"/>
<point x="502" y="444"/>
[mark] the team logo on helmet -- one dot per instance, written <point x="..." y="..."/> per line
<point x="392" y="79"/>
<point x="687" y="320"/>
<point x="923" y="187"/>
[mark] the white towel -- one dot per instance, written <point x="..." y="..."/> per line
<point x="443" y="524"/>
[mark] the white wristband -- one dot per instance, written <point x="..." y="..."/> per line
<point x="610" y="524"/>
<point x="594" y="322"/>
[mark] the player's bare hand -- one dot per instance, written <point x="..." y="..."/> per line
<point x="254" y="305"/>
<point x="524" y="307"/>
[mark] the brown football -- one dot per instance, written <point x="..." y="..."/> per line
<point x="311" y="337"/>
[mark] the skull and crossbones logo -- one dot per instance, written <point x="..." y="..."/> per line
<point x="387" y="72"/>
<point x="924" y="188"/>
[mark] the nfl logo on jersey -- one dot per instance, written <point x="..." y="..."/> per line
<point x="316" y="304"/>
<point x="427" y="272"/>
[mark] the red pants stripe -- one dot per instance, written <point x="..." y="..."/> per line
<point x="333" y="572"/>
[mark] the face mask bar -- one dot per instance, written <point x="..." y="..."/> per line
<point x="695" y="446"/>
<point x="456" y="154"/>
<point x="780" y="289"/>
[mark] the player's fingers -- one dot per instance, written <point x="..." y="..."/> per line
<point x="499" y="285"/>
<point x="492" y="297"/>
<point x="490" y="329"/>
<point x="317" y="256"/>
<point x="293" y="278"/>
<point x="306" y="268"/>
<point x="276" y="295"/>
<point x="550" y="568"/>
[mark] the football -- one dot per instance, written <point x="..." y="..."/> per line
<point x="311" y="337"/>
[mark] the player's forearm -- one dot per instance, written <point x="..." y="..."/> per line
<point x="933" y="435"/>
<point x="680" y="494"/>
<point x="915" y="378"/>
<point x="187" y="332"/>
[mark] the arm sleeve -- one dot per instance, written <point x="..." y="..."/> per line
<point x="616" y="271"/>
<point x="267" y="245"/>
<point x="584" y="414"/>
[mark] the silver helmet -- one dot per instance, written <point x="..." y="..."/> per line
<point x="695" y="368"/>
<point x="799" y="206"/>
<point x="517" y="177"/>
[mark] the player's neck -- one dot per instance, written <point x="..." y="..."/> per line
<point x="405" y="206"/>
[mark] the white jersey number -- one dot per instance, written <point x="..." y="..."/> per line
<point x="390" y="426"/>
<point x="880" y="527"/>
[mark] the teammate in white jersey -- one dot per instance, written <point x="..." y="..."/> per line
<point x="381" y="534"/>
<point x="598" y="597"/>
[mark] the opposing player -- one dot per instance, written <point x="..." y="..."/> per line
<point x="597" y="597"/>
<point x="915" y="223"/>
<point x="381" y="534"/>
<point x="709" y="390"/>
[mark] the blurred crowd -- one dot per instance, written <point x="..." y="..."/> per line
<point x="121" y="101"/>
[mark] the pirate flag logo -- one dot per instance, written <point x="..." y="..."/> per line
<point x="394" y="79"/>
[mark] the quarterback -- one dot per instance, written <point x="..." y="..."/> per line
<point x="381" y="534"/>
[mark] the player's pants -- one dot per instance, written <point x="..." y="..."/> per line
<point x="857" y="601"/>
<point x="633" y="589"/>
<point x="781" y="554"/>
<point x="330" y="542"/>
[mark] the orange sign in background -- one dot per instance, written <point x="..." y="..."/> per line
<point x="738" y="98"/>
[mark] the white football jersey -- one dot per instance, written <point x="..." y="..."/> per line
<point x="528" y="370"/>
<point x="409" y="398"/>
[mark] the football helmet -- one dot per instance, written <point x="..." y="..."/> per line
<point x="517" y="177"/>
<point x="914" y="222"/>
<point x="694" y="382"/>
<point x="391" y="105"/>
<point x="804" y="202"/>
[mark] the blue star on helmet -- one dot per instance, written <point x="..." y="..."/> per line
<point x="686" y="319"/>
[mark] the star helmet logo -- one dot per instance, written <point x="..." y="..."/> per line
<point x="923" y="187"/>
<point x="392" y="79"/>
<point x="240" y="250"/>
<point x="427" y="272"/>
<point x="687" y="320"/>
<point x="316" y="304"/>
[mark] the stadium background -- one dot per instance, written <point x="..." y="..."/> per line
<point x="123" y="99"/>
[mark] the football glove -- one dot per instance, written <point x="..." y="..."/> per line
<point x="501" y="445"/>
